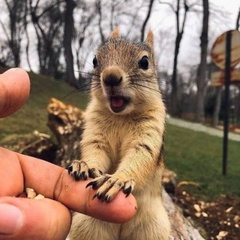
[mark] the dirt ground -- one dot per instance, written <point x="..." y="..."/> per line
<point x="220" y="218"/>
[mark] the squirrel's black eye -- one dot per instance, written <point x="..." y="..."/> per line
<point x="95" y="62"/>
<point x="143" y="63"/>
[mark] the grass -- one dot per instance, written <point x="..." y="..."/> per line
<point x="194" y="156"/>
<point x="197" y="157"/>
<point x="33" y="114"/>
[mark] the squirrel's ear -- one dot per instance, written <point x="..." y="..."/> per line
<point x="150" y="38"/>
<point x="115" y="33"/>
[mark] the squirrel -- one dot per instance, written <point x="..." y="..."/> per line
<point x="122" y="141"/>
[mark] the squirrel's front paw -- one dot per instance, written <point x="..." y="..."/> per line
<point x="80" y="170"/>
<point x="108" y="186"/>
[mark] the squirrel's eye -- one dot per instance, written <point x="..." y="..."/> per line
<point x="143" y="63"/>
<point x="95" y="62"/>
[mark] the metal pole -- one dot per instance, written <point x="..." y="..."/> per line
<point x="226" y="101"/>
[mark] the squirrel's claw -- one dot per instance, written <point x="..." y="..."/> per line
<point x="108" y="187"/>
<point x="79" y="170"/>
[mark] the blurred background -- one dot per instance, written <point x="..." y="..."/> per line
<point x="58" y="38"/>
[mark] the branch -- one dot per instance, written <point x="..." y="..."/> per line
<point x="5" y="30"/>
<point x="186" y="7"/>
<point x="146" y="20"/>
<point x="134" y="18"/>
<point x="99" y="9"/>
<point x="238" y="20"/>
<point x="169" y="4"/>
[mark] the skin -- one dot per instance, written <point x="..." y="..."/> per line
<point x="47" y="218"/>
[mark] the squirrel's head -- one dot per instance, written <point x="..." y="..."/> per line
<point x="124" y="78"/>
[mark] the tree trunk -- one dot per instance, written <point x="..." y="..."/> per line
<point x="67" y="42"/>
<point x="17" y="13"/>
<point x="202" y="68"/>
<point x="174" y="92"/>
<point x="238" y="20"/>
<point x="146" y="20"/>
<point x="179" y="35"/>
<point x="49" y="37"/>
<point x="100" y="18"/>
<point x="217" y="106"/>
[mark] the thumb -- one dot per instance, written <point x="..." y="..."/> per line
<point x="14" y="90"/>
<point x="22" y="218"/>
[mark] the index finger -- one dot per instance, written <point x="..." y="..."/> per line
<point x="55" y="183"/>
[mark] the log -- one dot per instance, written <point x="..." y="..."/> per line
<point x="67" y="122"/>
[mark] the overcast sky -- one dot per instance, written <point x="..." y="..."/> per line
<point x="163" y="25"/>
<point x="230" y="5"/>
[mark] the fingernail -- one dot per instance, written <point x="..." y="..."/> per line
<point x="11" y="219"/>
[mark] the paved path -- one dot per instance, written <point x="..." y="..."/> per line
<point x="202" y="128"/>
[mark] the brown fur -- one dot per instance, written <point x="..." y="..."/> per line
<point x="122" y="141"/>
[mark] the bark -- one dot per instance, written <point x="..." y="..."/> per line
<point x="182" y="228"/>
<point x="67" y="41"/>
<point x="202" y="68"/>
<point x="66" y="123"/>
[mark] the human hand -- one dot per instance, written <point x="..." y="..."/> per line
<point x="48" y="218"/>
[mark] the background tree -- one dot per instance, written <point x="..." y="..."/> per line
<point x="146" y="20"/>
<point x="201" y="77"/>
<point x="67" y="41"/>
<point x="238" y="20"/>
<point x="47" y="20"/>
<point x="179" y="34"/>
<point x="14" y="29"/>
<point x="84" y="40"/>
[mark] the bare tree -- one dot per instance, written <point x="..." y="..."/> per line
<point x="100" y="19"/>
<point x="47" y="20"/>
<point x="85" y="11"/>
<point x="67" y="41"/>
<point x="146" y="19"/>
<point x="238" y="20"/>
<point x="179" y="34"/>
<point x="201" y="78"/>
<point x="15" y="28"/>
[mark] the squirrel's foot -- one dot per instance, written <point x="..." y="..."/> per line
<point x="108" y="186"/>
<point x="80" y="170"/>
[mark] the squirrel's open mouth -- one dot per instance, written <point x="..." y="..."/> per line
<point x="118" y="103"/>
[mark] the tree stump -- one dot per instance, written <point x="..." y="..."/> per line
<point x="66" y="122"/>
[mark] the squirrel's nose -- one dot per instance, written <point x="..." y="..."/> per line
<point x="112" y="76"/>
<point x="112" y="80"/>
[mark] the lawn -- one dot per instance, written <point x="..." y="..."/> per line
<point x="194" y="156"/>
<point x="197" y="157"/>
